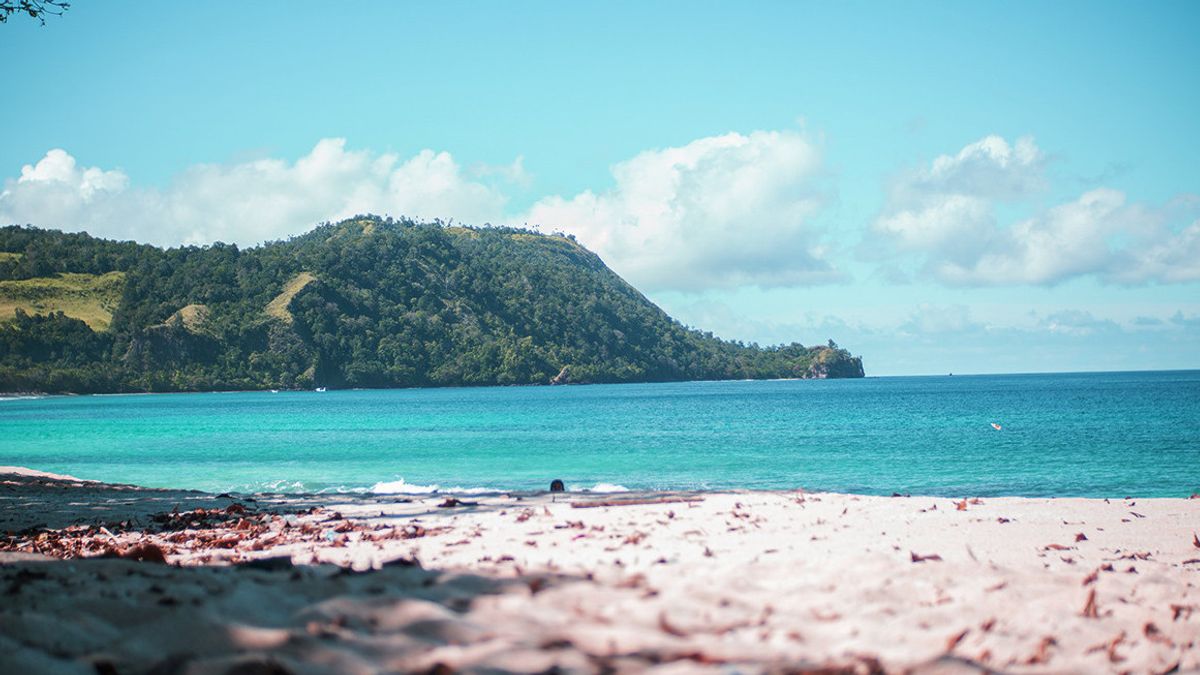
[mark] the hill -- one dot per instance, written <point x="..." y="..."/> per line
<point x="367" y="302"/>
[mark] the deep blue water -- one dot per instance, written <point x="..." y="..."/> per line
<point x="1084" y="434"/>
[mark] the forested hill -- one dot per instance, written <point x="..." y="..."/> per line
<point x="367" y="302"/>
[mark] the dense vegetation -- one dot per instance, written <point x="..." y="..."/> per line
<point x="367" y="302"/>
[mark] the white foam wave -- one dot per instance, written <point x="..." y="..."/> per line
<point x="283" y="485"/>
<point x="472" y="491"/>
<point x="604" y="487"/>
<point x="402" y="487"/>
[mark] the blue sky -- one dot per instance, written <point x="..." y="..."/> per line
<point x="992" y="187"/>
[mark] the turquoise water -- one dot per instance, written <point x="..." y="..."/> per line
<point x="1088" y="434"/>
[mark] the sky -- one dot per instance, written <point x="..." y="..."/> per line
<point x="939" y="187"/>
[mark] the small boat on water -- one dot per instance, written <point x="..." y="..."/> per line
<point x="320" y="389"/>
<point x="997" y="427"/>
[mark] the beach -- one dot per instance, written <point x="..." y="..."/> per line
<point x="103" y="578"/>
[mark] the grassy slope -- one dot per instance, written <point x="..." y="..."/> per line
<point x="278" y="307"/>
<point x="88" y="297"/>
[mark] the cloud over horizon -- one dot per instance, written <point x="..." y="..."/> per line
<point x="251" y="202"/>
<point x="945" y="216"/>
<point x="721" y="211"/>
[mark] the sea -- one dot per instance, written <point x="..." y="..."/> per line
<point x="1076" y="434"/>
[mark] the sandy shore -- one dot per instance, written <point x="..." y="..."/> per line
<point x="722" y="582"/>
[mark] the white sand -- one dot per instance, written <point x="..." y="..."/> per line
<point x="33" y="473"/>
<point x="761" y="580"/>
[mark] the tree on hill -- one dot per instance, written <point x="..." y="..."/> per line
<point x="368" y="302"/>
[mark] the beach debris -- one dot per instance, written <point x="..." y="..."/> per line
<point x="1195" y="540"/>
<point x="635" y="538"/>
<point x="953" y="640"/>
<point x="1003" y="520"/>
<point x="1184" y="611"/>
<point x="1090" y="610"/>
<point x="1110" y="648"/>
<point x="149" y="552"/>
<point x="1135" y="514"/>
<point x="636" y="501"/>
<point x="1080" y="537"/>
<point x="1042" y="653"/>
<point x="1153" y="634"/>
<point x="916" y="557"/>
<point x="452" y="502"/>
<point x="1057" y="547"/>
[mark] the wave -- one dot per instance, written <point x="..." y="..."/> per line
<point x="281" y="485"/>
<point x="603" y="487"/>
<point x="402" y="487"/>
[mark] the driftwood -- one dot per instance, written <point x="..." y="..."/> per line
<point x="633" y="501"/>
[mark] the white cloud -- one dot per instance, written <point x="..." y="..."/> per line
<point x="945" y="215"/>
<point x="720" y="211"/>
<point x="989" y="168"/>
<point x="253" y="201"/>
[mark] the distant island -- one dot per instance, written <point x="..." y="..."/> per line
<point x="368" y="302"/>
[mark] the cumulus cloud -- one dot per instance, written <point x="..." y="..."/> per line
<point x="945" y="215"/>
<point x="721" y="211"/>
<point x="253" y="201"/>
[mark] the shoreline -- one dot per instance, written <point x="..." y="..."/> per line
<point x="585" y="489"/>
<point x="36" y="394"/>
<point x="759" y="581"/>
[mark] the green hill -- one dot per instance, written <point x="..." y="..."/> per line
<point x="91" y="298"/>
<point x="367" y="302"/>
